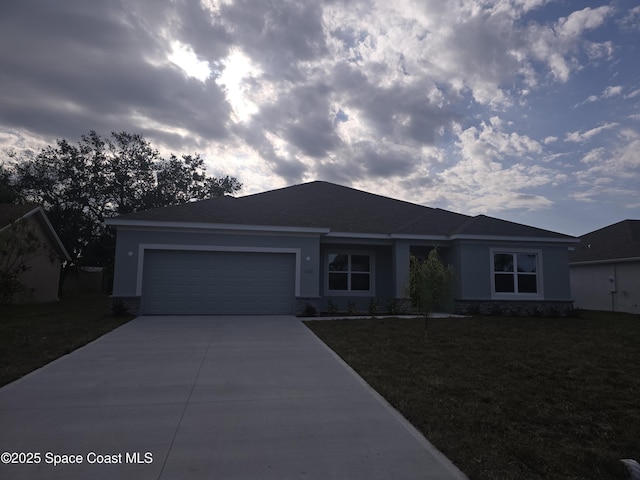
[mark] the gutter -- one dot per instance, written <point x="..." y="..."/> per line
<point x="608" y="260"/>
<point x="134" y="224"/>
<point x="137" y="224"/>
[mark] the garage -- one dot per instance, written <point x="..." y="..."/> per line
<point x="179" y="282"/>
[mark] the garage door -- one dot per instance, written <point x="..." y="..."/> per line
<point x="218" y="283"/>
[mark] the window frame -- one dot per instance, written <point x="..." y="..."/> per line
<point x="349" y="272"/>
<point x="514" y="252"/>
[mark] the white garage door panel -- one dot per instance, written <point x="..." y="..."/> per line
<point x="218" y="283"/>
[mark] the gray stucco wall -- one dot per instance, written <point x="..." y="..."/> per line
<point x="473" y="278"/>
<point x="128" y="242"/>
<point x="557" y="283"/>
<point x="472" y="263"/>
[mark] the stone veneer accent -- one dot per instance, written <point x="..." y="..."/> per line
<point x="133" y="304"/>
<point x="302" y="302"/>
<point x="516" y="308"/>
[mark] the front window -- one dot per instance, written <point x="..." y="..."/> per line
<point x="349" y="272"/>
<point x="516" y="273"/>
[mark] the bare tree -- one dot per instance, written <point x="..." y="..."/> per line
<point x="430" y="284"/>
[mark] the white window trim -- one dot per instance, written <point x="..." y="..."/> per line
<point x="351" y="293"/>
<point x="517" y="296"/>
<point x="143" y="247"/>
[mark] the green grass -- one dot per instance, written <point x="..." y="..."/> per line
<point x="33" y="335"/>
<point x="508" y="398"/>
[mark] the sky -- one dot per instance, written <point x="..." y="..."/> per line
<point x="526" y="110"/>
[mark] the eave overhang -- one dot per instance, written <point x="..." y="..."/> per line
<point x="605" y="261"/>
<point x="324" y="231"/>
<point x="203" y="226"/>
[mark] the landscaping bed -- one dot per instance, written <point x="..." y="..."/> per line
<point x="507" y="397"/>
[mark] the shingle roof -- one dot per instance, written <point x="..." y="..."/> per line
<point x="617" y="241"/>
<point x="220" y="210"/>
<point x="341" y="209"/>
<point x="348" y="210"/>
<point x="483" y="225"/>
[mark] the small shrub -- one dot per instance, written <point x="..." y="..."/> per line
<point x="10" y="285"/>
<point x="474" y="309"/>
<point x="351" y="308"/>
<point x="373" y="307"/>
<point x="332" y="308"/>
<point x="535" y="311"/>
<point x="516" y="311"/>
<point x="552" y="312"/>
<point x="309" y="311"/>
<point x="393" y="306"/>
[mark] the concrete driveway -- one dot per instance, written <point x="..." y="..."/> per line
<point x="207" y="398"/>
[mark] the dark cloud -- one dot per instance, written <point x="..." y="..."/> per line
<point x="292" y="171"/>
<point x="306" y="116"/>
<point x="289" y="168"/>
<point x="394" y="111"/>
<point x="350" y="92"/>
<point x="485" y="45"/>
<point x="377" y="160"/>
<point x="308" y="123"/>
<point x="104" y="67"/>
<point x="277" y="35"/>
<point x="313" y="142"/>
<point x="340" y="170"/>
<point x="349" y="36"/>
<point x="347" y="77"/>
<point x="98" y="66"/>
<point x="403" y="112"/>
<point x="195" y="26"/>
<point x="366" y="160"/>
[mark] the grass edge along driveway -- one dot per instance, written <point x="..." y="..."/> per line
<point x="33" y="335"/>
<point x="508" y="398"/>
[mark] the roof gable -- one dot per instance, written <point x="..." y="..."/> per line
<point x="11" y="213"/>
<point x="618" y="241"/>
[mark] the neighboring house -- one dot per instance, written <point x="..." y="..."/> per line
<point x="42" y="277"/>
<point x="277" y="252"/>
<point x="605" y="269"/>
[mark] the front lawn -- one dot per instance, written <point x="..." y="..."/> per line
<point x="33" y="335"/>
<point x="508" y="398"/>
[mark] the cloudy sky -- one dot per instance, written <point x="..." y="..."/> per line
<point x="528" y="110"/>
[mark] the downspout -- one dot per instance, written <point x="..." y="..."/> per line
<point x="614" y="288"/>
